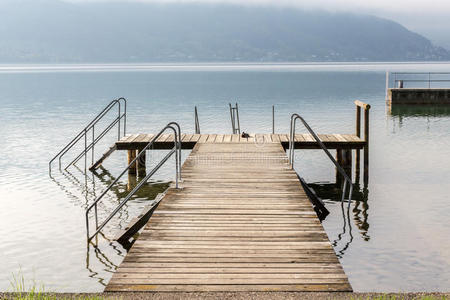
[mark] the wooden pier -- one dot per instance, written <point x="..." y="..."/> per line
<point x="240" y="222"/>
<point x="188" y="141"/>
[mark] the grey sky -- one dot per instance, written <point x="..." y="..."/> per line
<point x="404" y="6"/>
<point x="430" y="18"/>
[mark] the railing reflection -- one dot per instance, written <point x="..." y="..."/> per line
<point x="81" y="189"/>
<point x="356" y="214"/>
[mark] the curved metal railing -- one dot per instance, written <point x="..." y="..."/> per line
<point x="176" y="149"/>
<point x="91" y="127"/>
<point x="347" y="179"/>
<point x="234" y="114"/>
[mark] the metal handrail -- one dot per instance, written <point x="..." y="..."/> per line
<point x="420" y="73"/>
<point x="197" y="124"/>
<point x="429" y="80"/>
<point x="95" y="141"/>
<point x="294" y="118"/>
<point x="176" y="148"/>
<point x="91" y="126"/>
<point x="234" y="114"/>
<point x="179" y="145"/>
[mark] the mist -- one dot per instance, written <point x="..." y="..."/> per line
<point x="429" y="18"/>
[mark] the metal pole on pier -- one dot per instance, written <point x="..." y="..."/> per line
<point x="273" y="119"/>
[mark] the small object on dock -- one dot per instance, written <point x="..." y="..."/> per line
<point x="245" y="135"/>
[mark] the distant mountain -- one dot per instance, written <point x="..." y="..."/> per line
<point x="56" y="31"/>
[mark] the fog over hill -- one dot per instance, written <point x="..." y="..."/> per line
<point x="54" y="31"/>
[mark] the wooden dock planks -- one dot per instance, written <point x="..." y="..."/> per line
<point x="241" y="222"/>
<point x="188" y="141"/>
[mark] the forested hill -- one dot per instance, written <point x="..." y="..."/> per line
<point x="55" y="31"/>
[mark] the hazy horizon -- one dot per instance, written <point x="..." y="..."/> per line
<point x="428" y="18"/>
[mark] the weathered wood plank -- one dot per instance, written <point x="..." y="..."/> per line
<point x="241" y="221"/>
<point x="203" y="138"/>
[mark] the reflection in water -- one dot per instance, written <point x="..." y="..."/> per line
<point x="82" y="189"/>
<point x="331" y="193"/>
<point x="417" y="110"/>
<point x="339" y="241"/>
<point x="429" y="113"/>
<point x="103" y="259"/>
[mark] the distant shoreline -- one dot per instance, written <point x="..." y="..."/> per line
<point x="226" y="66"/>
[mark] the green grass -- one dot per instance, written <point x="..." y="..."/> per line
<point x="22" y="291"/>
<point x="33" y="291"/>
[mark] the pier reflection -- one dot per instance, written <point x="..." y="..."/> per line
<point x="417" y="110"/>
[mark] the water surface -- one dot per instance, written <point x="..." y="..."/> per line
<point x="397" y="235"/>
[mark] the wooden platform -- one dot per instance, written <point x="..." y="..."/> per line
<point x="302" y="141"/>
<point x="241" y="222"/>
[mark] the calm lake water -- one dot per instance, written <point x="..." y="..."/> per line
<point x="399" y="234"/>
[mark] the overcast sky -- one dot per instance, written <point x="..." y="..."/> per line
<point x="430" y="18"/>
<point x="430" y="6"/>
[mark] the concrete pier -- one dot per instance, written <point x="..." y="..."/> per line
<point x="418" y="96"/>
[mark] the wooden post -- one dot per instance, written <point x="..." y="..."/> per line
<point x="366" y="108"/>
<point x="366" y="147"/>
<point x="344" y="159"/>
<point x="347" y="161"/>
<point x="131" y="156"/>
<point x="141" y="165"/>
<point x="339" y="161"/>
<point x="132" y="181"/>
<point x="358" y="153"/>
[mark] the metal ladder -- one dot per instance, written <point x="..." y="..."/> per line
<point x="90" y="130"/>
<point x="234" y="114"/>
<point x="173" y="126"/>
<point x="347" y="179"/>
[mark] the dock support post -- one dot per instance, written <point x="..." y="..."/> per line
<point x="366" y="147"/>
<point x="141" y="165"/>
<point x="357" y="151"/>
<point x="132" y="182"/>
<point x="366" y="108"/>
<point x="339" y="161"/>
<point x="344" y="159"/>
<point x="131" y="155"/>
